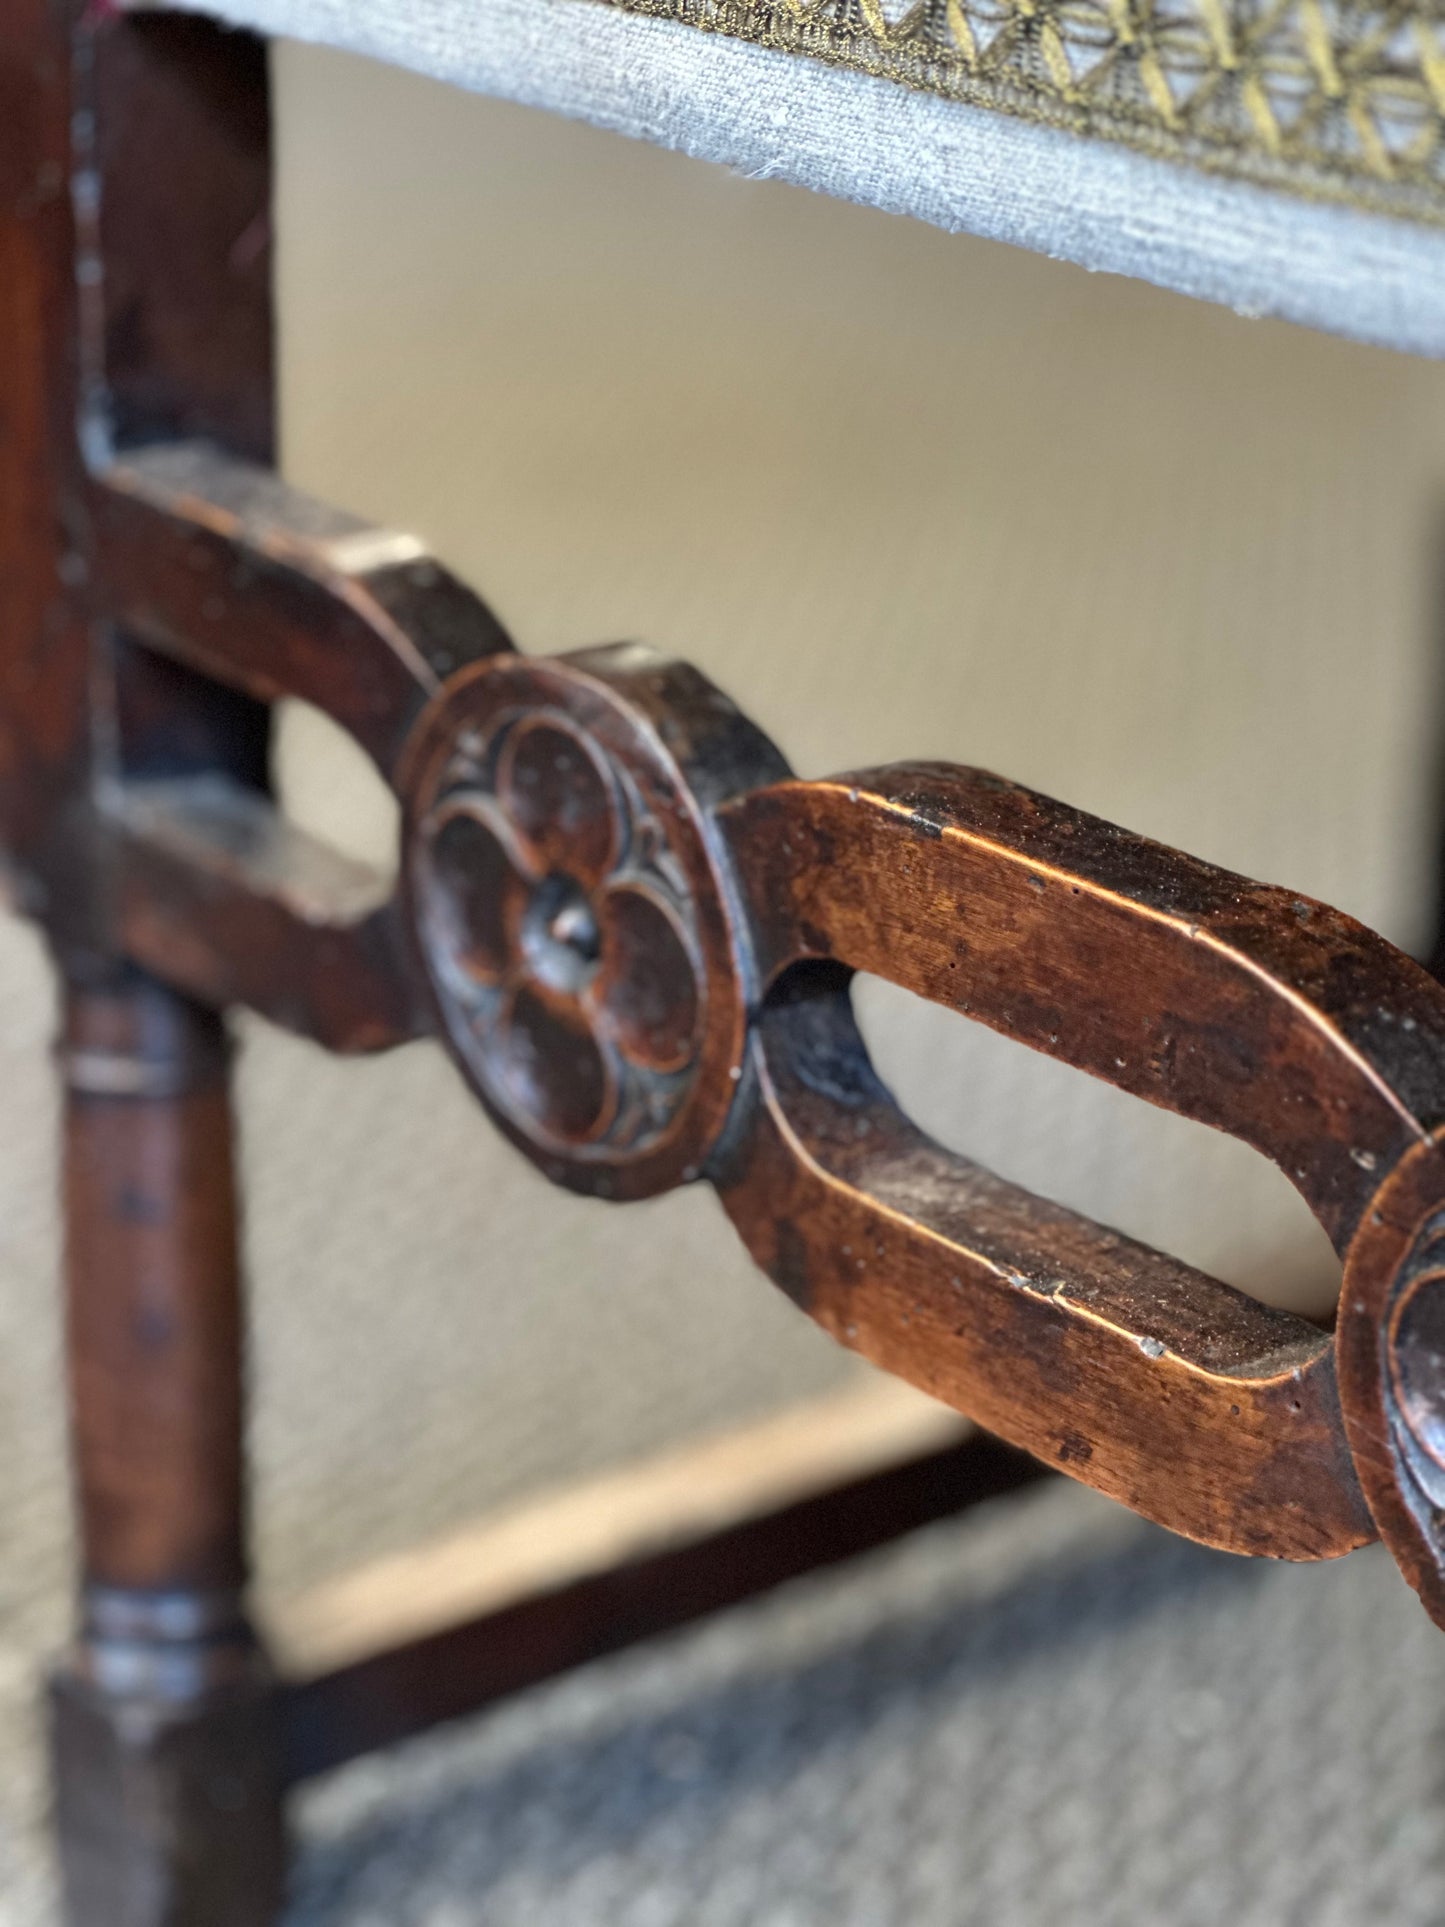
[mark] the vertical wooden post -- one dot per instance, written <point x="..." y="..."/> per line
<point x="44" y="526"/>
<point x="135" y="301"/>
<point x="164" y="1724"/>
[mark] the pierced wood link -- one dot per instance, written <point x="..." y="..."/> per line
<point x="1240" y="1006"/>
<point x="213" y="562"/>
<point x="1245" y="1007"/>
<point x="635" y="931"/>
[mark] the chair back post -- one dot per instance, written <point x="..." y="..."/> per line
<point x="135" y="268"/>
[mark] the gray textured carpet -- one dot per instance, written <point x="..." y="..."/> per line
<point x="1047" y="1715"/>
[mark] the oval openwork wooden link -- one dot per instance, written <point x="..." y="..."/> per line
<point x="1261" y="1012"/>
<point x="251" y="581"/>
<point x="1153" y="1382"/>
<point x="1264" y="1014"/>
<point x="608" y="868"/>
<point x="217" y="563"/>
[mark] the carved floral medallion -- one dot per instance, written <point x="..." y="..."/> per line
<point x="570" y="915"/>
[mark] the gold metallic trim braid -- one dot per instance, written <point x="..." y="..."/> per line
<point x="1331" y="98"/>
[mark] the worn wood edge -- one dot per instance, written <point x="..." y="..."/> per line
<point x="223" y="566"/>
<point x="1196" y="910"/>
<point x="200" y="862"/>
<point x="599" y="1524"/>
<point x="1290" y="1417"/>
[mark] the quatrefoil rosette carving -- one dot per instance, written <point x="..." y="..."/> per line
<point x="570" y="909"/>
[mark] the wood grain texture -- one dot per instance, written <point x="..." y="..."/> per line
<point x="259" y="586"/>
<point x="1241" y="1006"/>
<point x="260" y="591"/>
<point x="1249" y="1008"/>
<point x="1196" y="1406"/>
<point x="153" y="1268"/>
<point x="165" y="1696"/>
<point x="536" y="793"/>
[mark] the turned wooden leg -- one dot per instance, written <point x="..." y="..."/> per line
<point x="163" y="1717"/>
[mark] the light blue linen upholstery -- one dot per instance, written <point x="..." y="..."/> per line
<point x="1282" y="156"/>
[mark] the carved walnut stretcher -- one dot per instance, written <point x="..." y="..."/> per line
<point x="634" y="931"/>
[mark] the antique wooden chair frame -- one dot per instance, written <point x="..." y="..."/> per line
<point x="634" y="930"/>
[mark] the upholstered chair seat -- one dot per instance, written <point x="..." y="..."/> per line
<point x="1282" y="156"/>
